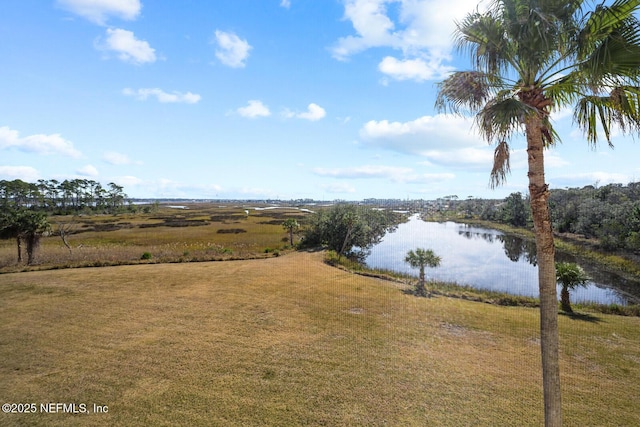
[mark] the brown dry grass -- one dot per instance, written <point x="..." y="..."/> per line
<point x="292" y="341"/>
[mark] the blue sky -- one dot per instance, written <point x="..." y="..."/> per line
<point x="253" y="99"/>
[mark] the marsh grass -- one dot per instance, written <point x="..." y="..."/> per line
<point x="291" y="341"/>
<point x="205" y="232"/>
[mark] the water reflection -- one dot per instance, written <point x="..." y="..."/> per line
<point x="515" y="248"/>
<point x="488" y="259"/>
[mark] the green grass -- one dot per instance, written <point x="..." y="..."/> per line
<point x="293" y="341"/>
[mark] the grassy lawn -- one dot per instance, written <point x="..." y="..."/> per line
<point x="290" y="340"/>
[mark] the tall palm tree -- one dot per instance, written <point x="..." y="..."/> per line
<point x="419" y="259"/>
<point x="532" y="57"/>
<point x="570" y="276"/>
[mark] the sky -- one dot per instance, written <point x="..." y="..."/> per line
<point x="257" y="99"/>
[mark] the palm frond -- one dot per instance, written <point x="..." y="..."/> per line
<point x="621" y="107"/>
<point x="483" y="36"/>
<point x="502" y="116"/>
<point x="609" y="43"/>
<point x="626" y="107"/>
<point x="464" y="92"/>
<point x="565" y="90"/>
<point x="602" y="22"/>
<point x="501" y="164"/>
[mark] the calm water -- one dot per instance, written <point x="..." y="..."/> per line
<point x="486" y="259"/>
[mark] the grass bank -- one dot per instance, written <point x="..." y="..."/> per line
<point x="453" y="290"/>
<point x="293" y="341"/>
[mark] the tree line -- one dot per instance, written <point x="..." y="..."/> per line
<point x="62" y="197"/>
<point x="610" y="213"/>
<point x="24" y="207"/>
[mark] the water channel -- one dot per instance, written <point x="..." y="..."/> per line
<point x="489" y="259"/>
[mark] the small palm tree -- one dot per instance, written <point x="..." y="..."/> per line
<point x="419" y="259"/>
<point x="570" y="276"/>
<point x="291" y="225"/>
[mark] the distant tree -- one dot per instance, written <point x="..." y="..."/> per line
<point x="514" y="210"/>
<point x="291" y="225"/>
<point x="345" y="226"/>
<point x="10" y="228"/>
<point x="570" y="276"/>
<point x="421" y="258"/>
<point x="25" y="225"/>
<point x="115" y="196"/>
<point x="34" y="225"/>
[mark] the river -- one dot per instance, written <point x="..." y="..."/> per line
<point x="488" y="259"/>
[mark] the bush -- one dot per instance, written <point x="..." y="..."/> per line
<point x="146" y="255"/>
<point x="231" y="231"/>
<point x="275" y="252"/>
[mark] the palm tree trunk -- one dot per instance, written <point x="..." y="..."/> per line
<point x="421" y="290"/>
<point x="19" y="243"/>
<point x="565" y="303"/>
<point x="549" y="340"/>
<point x="33" y="241"/>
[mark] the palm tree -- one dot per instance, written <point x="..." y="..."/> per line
<point x="570" y="276"/>
<point x="419" y="259"/>
<point x="26" y="225"/>
<point x="290" y="225"/>
<point x="532" y="57"/>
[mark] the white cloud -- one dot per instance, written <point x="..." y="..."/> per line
<point x="40" y="143"/>
<point x="162" y="96"/>
<point x="98" y="11"/>
<point x="396" y="174"/>
<point x="422" y="135"/>
<point x="127" y="181"/>
<point x="421" y="29"/>
<point x="285" y="3"/>
<point x="560" y="114"/>
<point x="413" y="69"/>
<point x="88" y="170"/>
<point x="421" y="25"/>
<point x="232" y="50"/>
<point x="552" y="159"/>
<point x="314" y="112"/>
<point x="25" y="173"/>
<point x="480" y="158"/>
<point x="127" y="47"/>
<point x="446" y="141"/>
<point x="339" y="187"/>
<point x="115" y="158"/>
<point x="372" y="25"/>
<point x="254" y="109"/>
<point x="589" y="178"/>
<point x="367" y="171"/>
